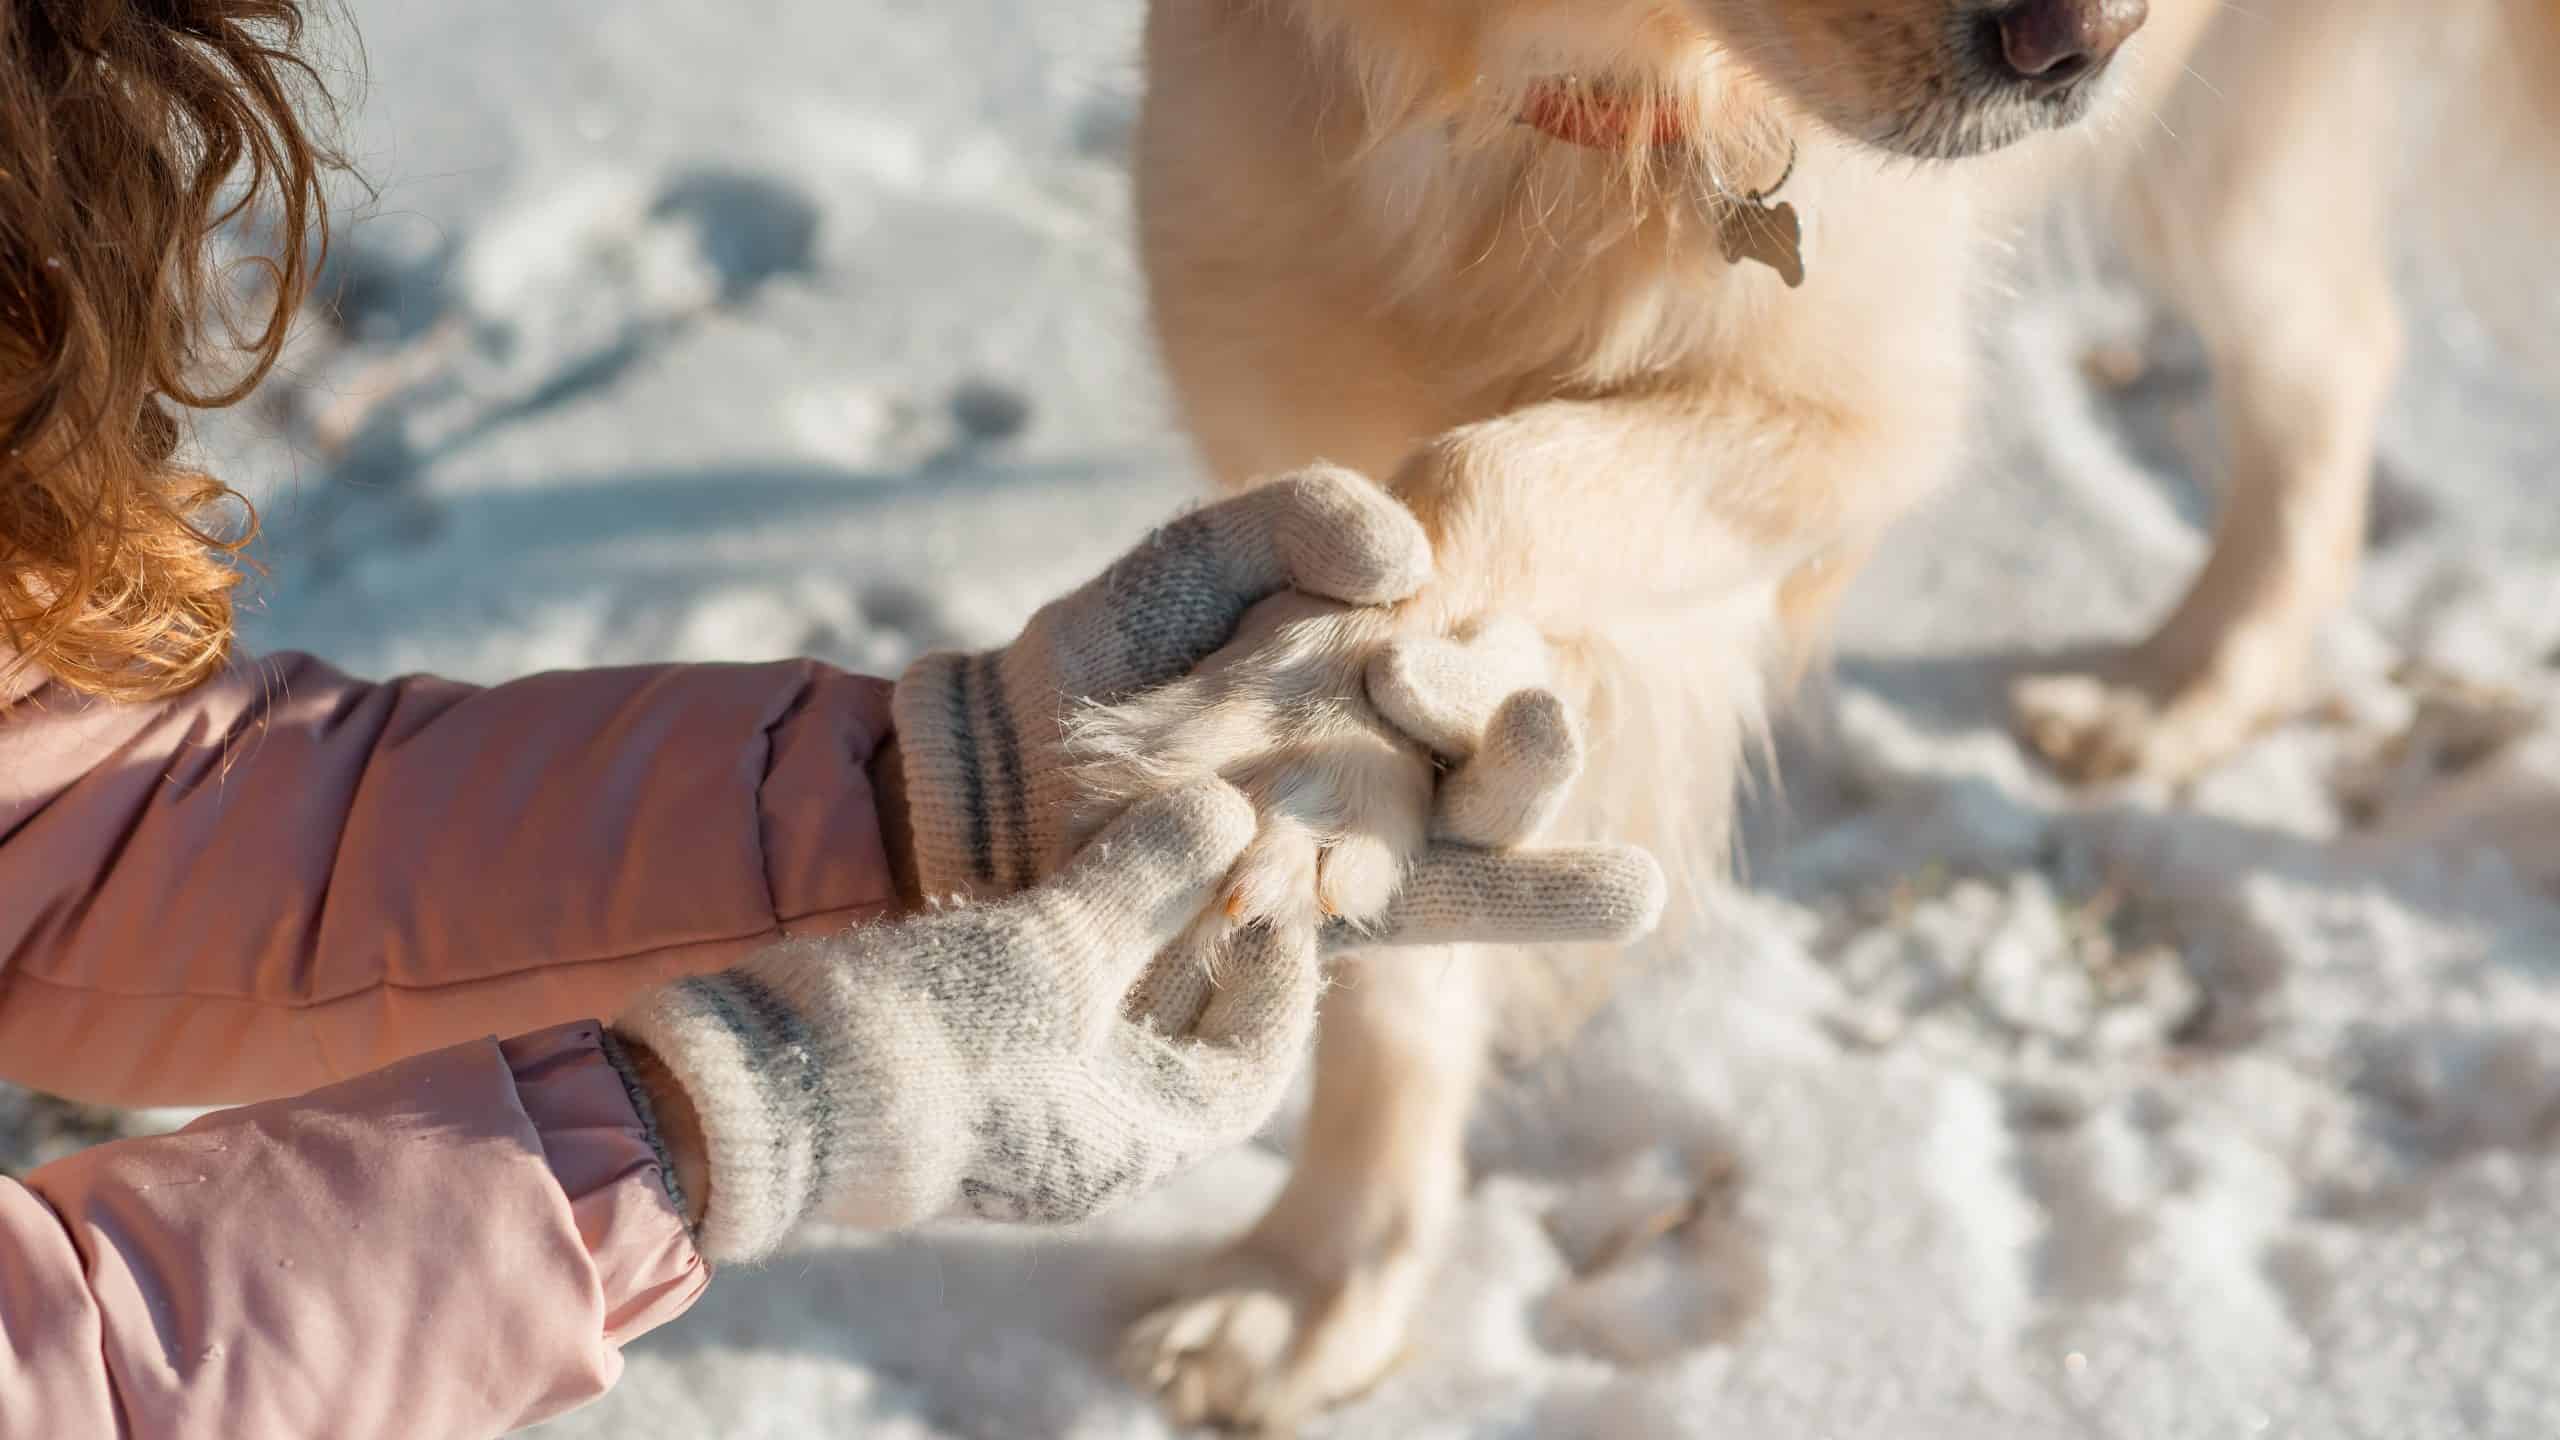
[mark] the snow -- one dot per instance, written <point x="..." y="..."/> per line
<point x="1986" y="1111"/>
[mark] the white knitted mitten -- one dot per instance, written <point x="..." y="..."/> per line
<point x="1480" y="703"/>
<point x="1339" y="725"/>
<point x="988" y="790"/>
<point x="976" y="1059"/>
<point x="1482" y="700"/>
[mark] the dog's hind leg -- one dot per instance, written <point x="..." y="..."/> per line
<point x="1313" y="1306"/>
<point x="2265" y="224"/>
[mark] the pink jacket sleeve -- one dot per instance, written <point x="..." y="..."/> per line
<point x="288" y="877"/>
<point x="448" y="1249"/>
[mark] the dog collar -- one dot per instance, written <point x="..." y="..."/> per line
<point x="1748" y="226"/>
<point x="1568" y="109"/>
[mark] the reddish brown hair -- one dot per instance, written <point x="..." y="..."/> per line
<point x="133" y="134"/>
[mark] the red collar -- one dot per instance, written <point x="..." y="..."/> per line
<point x="1596" y="118"/>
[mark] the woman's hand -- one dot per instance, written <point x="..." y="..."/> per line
<point x="990" y="797"/>
<point x="1495" y="753"/>
<point x="1102" y="1016"/>
<point x="1042" y="1058"/>
<point x="978" y="1059"/>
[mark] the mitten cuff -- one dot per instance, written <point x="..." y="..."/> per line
<point x="967" y="797"/>
<point x="819" y="1086"/>
<point x="744" y="1057"/>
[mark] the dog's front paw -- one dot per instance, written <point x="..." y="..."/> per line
<point x="2095" y="730"/>
<point x="1282" y="714"/>
<point x="1269" y="1344"/>
<point x="1221" y="1358"/>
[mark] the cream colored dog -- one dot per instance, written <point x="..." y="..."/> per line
<point x="1658" y="312"/>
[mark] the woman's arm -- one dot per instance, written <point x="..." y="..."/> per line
<point x="453" y="1247"/>
<point x="290" y="876"/>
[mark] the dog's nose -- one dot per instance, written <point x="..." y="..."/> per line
<point x="2050" y="43"/>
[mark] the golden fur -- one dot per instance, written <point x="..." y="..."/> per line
<point x="1672" y="465"/>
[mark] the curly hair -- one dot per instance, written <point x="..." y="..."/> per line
<point x="133" y="134"/>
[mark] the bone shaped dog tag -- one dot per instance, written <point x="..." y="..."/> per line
<point x="1769" y="234"/>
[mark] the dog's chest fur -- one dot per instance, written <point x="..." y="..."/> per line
<point x="1540" y="264"/>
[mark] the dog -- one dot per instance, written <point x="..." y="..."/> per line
<point x="1659" y="313"/>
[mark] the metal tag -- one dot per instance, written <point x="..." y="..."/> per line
<point x="1769" y="234"/>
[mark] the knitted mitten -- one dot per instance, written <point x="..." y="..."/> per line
<point x="989" y="791"/>
<point x="1482" y="703"/>
<point x="975" y="1059"/>
<point x="1005" y="1060"/>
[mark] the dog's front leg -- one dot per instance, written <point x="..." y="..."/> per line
<point x="1655" y="540"/>
<point x="2272" y="233"/>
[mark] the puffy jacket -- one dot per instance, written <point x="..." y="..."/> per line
<point x="326" y="900"/>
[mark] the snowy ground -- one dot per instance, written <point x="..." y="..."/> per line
<point x="761" y="329"/>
